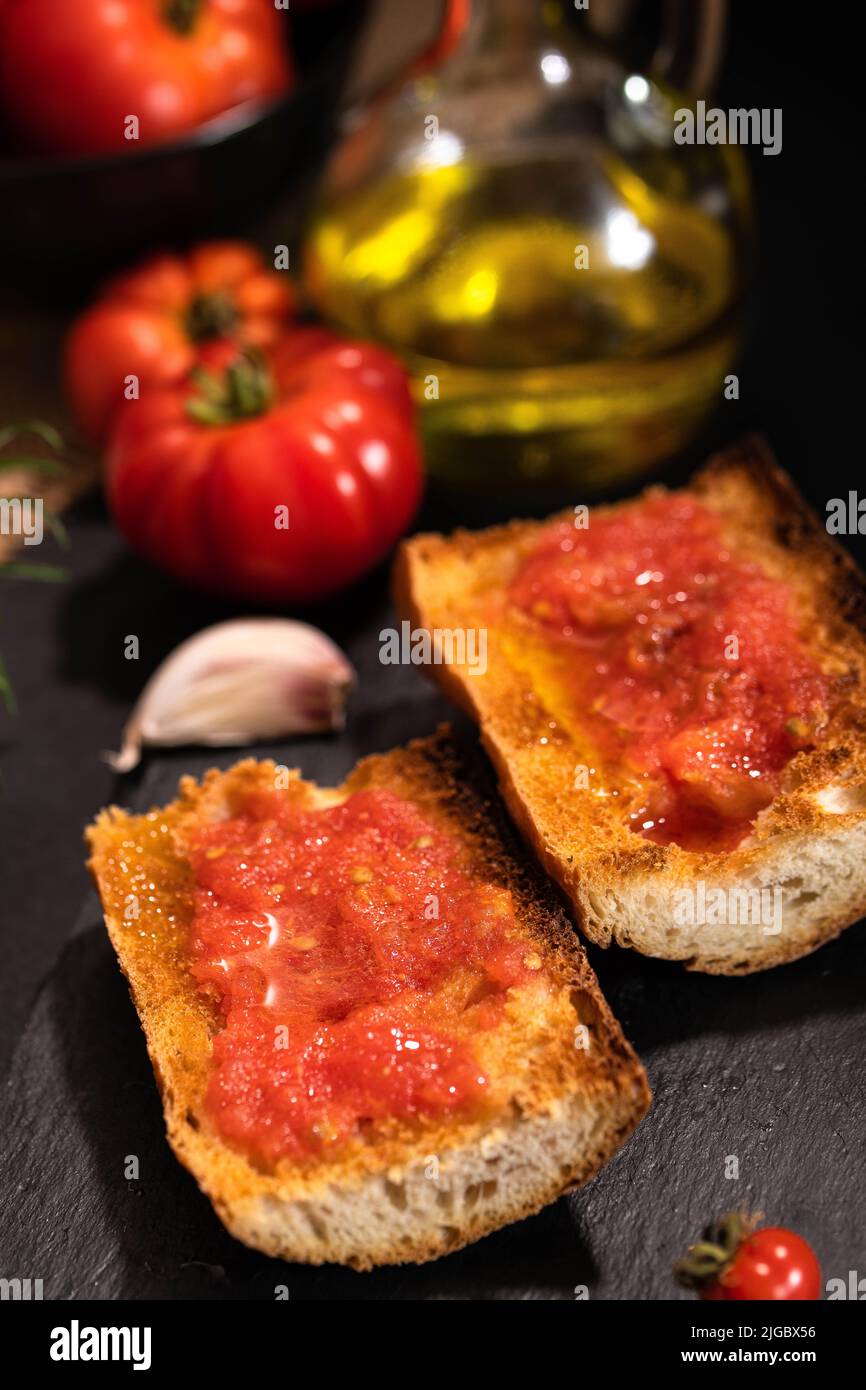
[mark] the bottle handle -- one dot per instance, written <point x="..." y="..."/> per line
<point x="689" y="49"/>
<point x="364" y="89"/>
<point x="455" y="18"/>
<point x="689" y="53"/>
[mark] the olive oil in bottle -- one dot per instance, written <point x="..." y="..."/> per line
<point x="562" y="279"/>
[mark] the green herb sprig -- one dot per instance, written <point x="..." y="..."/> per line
<point x="44" y="466"/>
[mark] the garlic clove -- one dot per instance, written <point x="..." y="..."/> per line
<point x="239" y="682"/>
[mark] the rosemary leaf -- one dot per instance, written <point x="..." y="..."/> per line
<point x="40" y="428"/>
<point x="32" y="464"/>
<point x="16" y="569"/>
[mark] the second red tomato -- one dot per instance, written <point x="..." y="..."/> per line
<point x="280" y="480"/>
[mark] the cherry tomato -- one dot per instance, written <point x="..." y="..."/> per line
<point x="281" y="477"/>
<point x="72" y="74"/>
<point x="772" y="1263"/>
<point x="738" y="1260"/>
<point x="152" y="321"/>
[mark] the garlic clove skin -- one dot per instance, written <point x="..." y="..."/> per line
<point x="239" y="682"/>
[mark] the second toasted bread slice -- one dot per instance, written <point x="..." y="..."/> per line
<point x="375" y="944"/>
<point x="797" y="875"/>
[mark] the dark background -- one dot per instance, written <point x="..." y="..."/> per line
<point x="767" y="1068"/>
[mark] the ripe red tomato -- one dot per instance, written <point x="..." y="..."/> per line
<point x="152" y="321"/>
<point x="772" y="1263"/>
<point x="71" y="74"/>
<point x="279" y="478"/>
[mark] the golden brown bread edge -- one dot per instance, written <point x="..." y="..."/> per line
<point x="807" y="850"/>
<point x="563" y="1110"/>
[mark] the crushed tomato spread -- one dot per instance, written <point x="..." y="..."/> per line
<point x="684" y="664"/>
<point x="353" y="961"/>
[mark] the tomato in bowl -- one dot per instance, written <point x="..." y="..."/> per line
<point x="81" y="215"/>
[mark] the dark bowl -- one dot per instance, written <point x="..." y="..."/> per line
<point x="74" y="215"/>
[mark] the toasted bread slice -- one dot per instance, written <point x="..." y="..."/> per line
<point x="806" y="850"/>
<point x="563" y="1098"/>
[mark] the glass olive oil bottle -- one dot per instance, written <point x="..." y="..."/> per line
<point x="561" y="276"/>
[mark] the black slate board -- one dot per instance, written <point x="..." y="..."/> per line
<point x="767" y="1069"/>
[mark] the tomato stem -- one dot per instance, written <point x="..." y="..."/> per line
<point x="708" y="1258"/>
<point x="181" y="14"/>
<point x="211" y="316"/>
<point x="243" y="390"/>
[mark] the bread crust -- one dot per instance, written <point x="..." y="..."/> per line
<point x="810" y="843"/>
<point x="406" y="1191"/>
